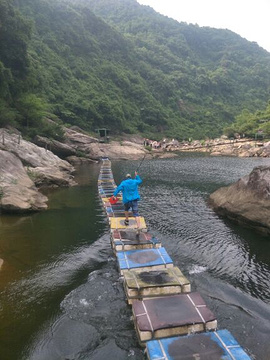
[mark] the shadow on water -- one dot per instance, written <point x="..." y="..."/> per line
<point x="45" y="255"/>
<point x="62" y="297"/>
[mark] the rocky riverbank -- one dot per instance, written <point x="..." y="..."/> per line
<point x="26" y="168"/>
<point x="247" y="201"/>
<point x="226" y="147"/>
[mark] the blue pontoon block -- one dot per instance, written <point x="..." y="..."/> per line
<point x="157" y="258"/>
<point x="105" y="192"/>
<point x="213" y="345"/>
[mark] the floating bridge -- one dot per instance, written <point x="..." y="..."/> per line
<point x="170" y="320"/>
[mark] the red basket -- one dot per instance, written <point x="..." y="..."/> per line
<point x="113" y="201"/>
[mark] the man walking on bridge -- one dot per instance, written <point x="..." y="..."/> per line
<point x="129" y="188"/>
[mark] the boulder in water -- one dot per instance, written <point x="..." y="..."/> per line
<point x="247" y="201"/>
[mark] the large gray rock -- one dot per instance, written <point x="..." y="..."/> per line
<point x="116" y="150"/>
<point x="58" y="148"/>
<point x="78" y="140"/>
<point x="40" y="163"/>
<point x="18" y="192"/>
<point x="247" y="201"/>
<point x="265" y="151"/>
<point x="91" y="147"/>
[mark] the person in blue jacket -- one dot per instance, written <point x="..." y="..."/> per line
<point x="130" y="192"/>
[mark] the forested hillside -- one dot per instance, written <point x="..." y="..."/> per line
<point x="118" y="64"/>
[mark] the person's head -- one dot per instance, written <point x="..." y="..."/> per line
<point x="128" y="176"/>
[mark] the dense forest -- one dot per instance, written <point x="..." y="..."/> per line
<point x="118" y="64"/>
<point x="253" y="125"/>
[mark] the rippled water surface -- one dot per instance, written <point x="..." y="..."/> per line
<point x="61" y="295"/>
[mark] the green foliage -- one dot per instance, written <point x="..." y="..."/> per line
<point x="31" y="110"/>
<point x="32" y="175"/>
<point x="15" y="34"/>
<point x="120" y="65"/>
<point x="7" y="114"/>
<point x="149" y="148"/>
<point x="51" y="130"/>
<point x="5" y="82"/>
<point x="249" y="124"/>
<point x="81" y="154"/>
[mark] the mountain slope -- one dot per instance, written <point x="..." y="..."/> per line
<point x="118" y="64"/>
<point x="213" y="73"/>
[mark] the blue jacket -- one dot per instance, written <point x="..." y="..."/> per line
<point x="129" y="188"/>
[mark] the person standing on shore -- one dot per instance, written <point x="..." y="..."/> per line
<point x="129" y="188"/>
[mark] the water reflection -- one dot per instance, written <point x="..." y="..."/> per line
<point x="44" y="256"/>
<point x="45" y="283"/>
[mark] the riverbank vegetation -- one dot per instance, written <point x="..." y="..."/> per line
<point x="120" y="65"/>
<point x="253" y="125"/>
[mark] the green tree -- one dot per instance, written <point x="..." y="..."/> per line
<point x="31" y="110"/>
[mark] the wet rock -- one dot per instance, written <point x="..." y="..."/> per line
<point x="57" y="147"/>
<point x="109" y="351"/>
<point x="18" y="192"/>
<point x="68" y="339"/>
<point x="100" y="302"/>
<point x="71" y="337"/>
<point x="247" y="201"/>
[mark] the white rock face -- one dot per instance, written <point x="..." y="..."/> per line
<point x="24" y="169"/>
<point x="18" y="192"/>
<point x="39" y="161"/>
<point x="92" y="148"/>
<point x="114" y="150"/>
<point x="58" y="148"/>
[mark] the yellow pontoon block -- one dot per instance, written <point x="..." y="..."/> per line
<point x="119" y="223"/>
<point x="141" y="284"/>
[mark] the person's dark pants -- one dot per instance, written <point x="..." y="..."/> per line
<point x="133" y="205"/>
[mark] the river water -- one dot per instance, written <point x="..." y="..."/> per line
<point x="61" y="295"/>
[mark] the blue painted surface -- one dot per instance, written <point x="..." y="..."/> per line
<point x="109" y="193"/>
<point x="164" y="349"/>
<point x="127" y="259"/>
<point x="154" y="240"/>
<point x="231" y="350"/>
